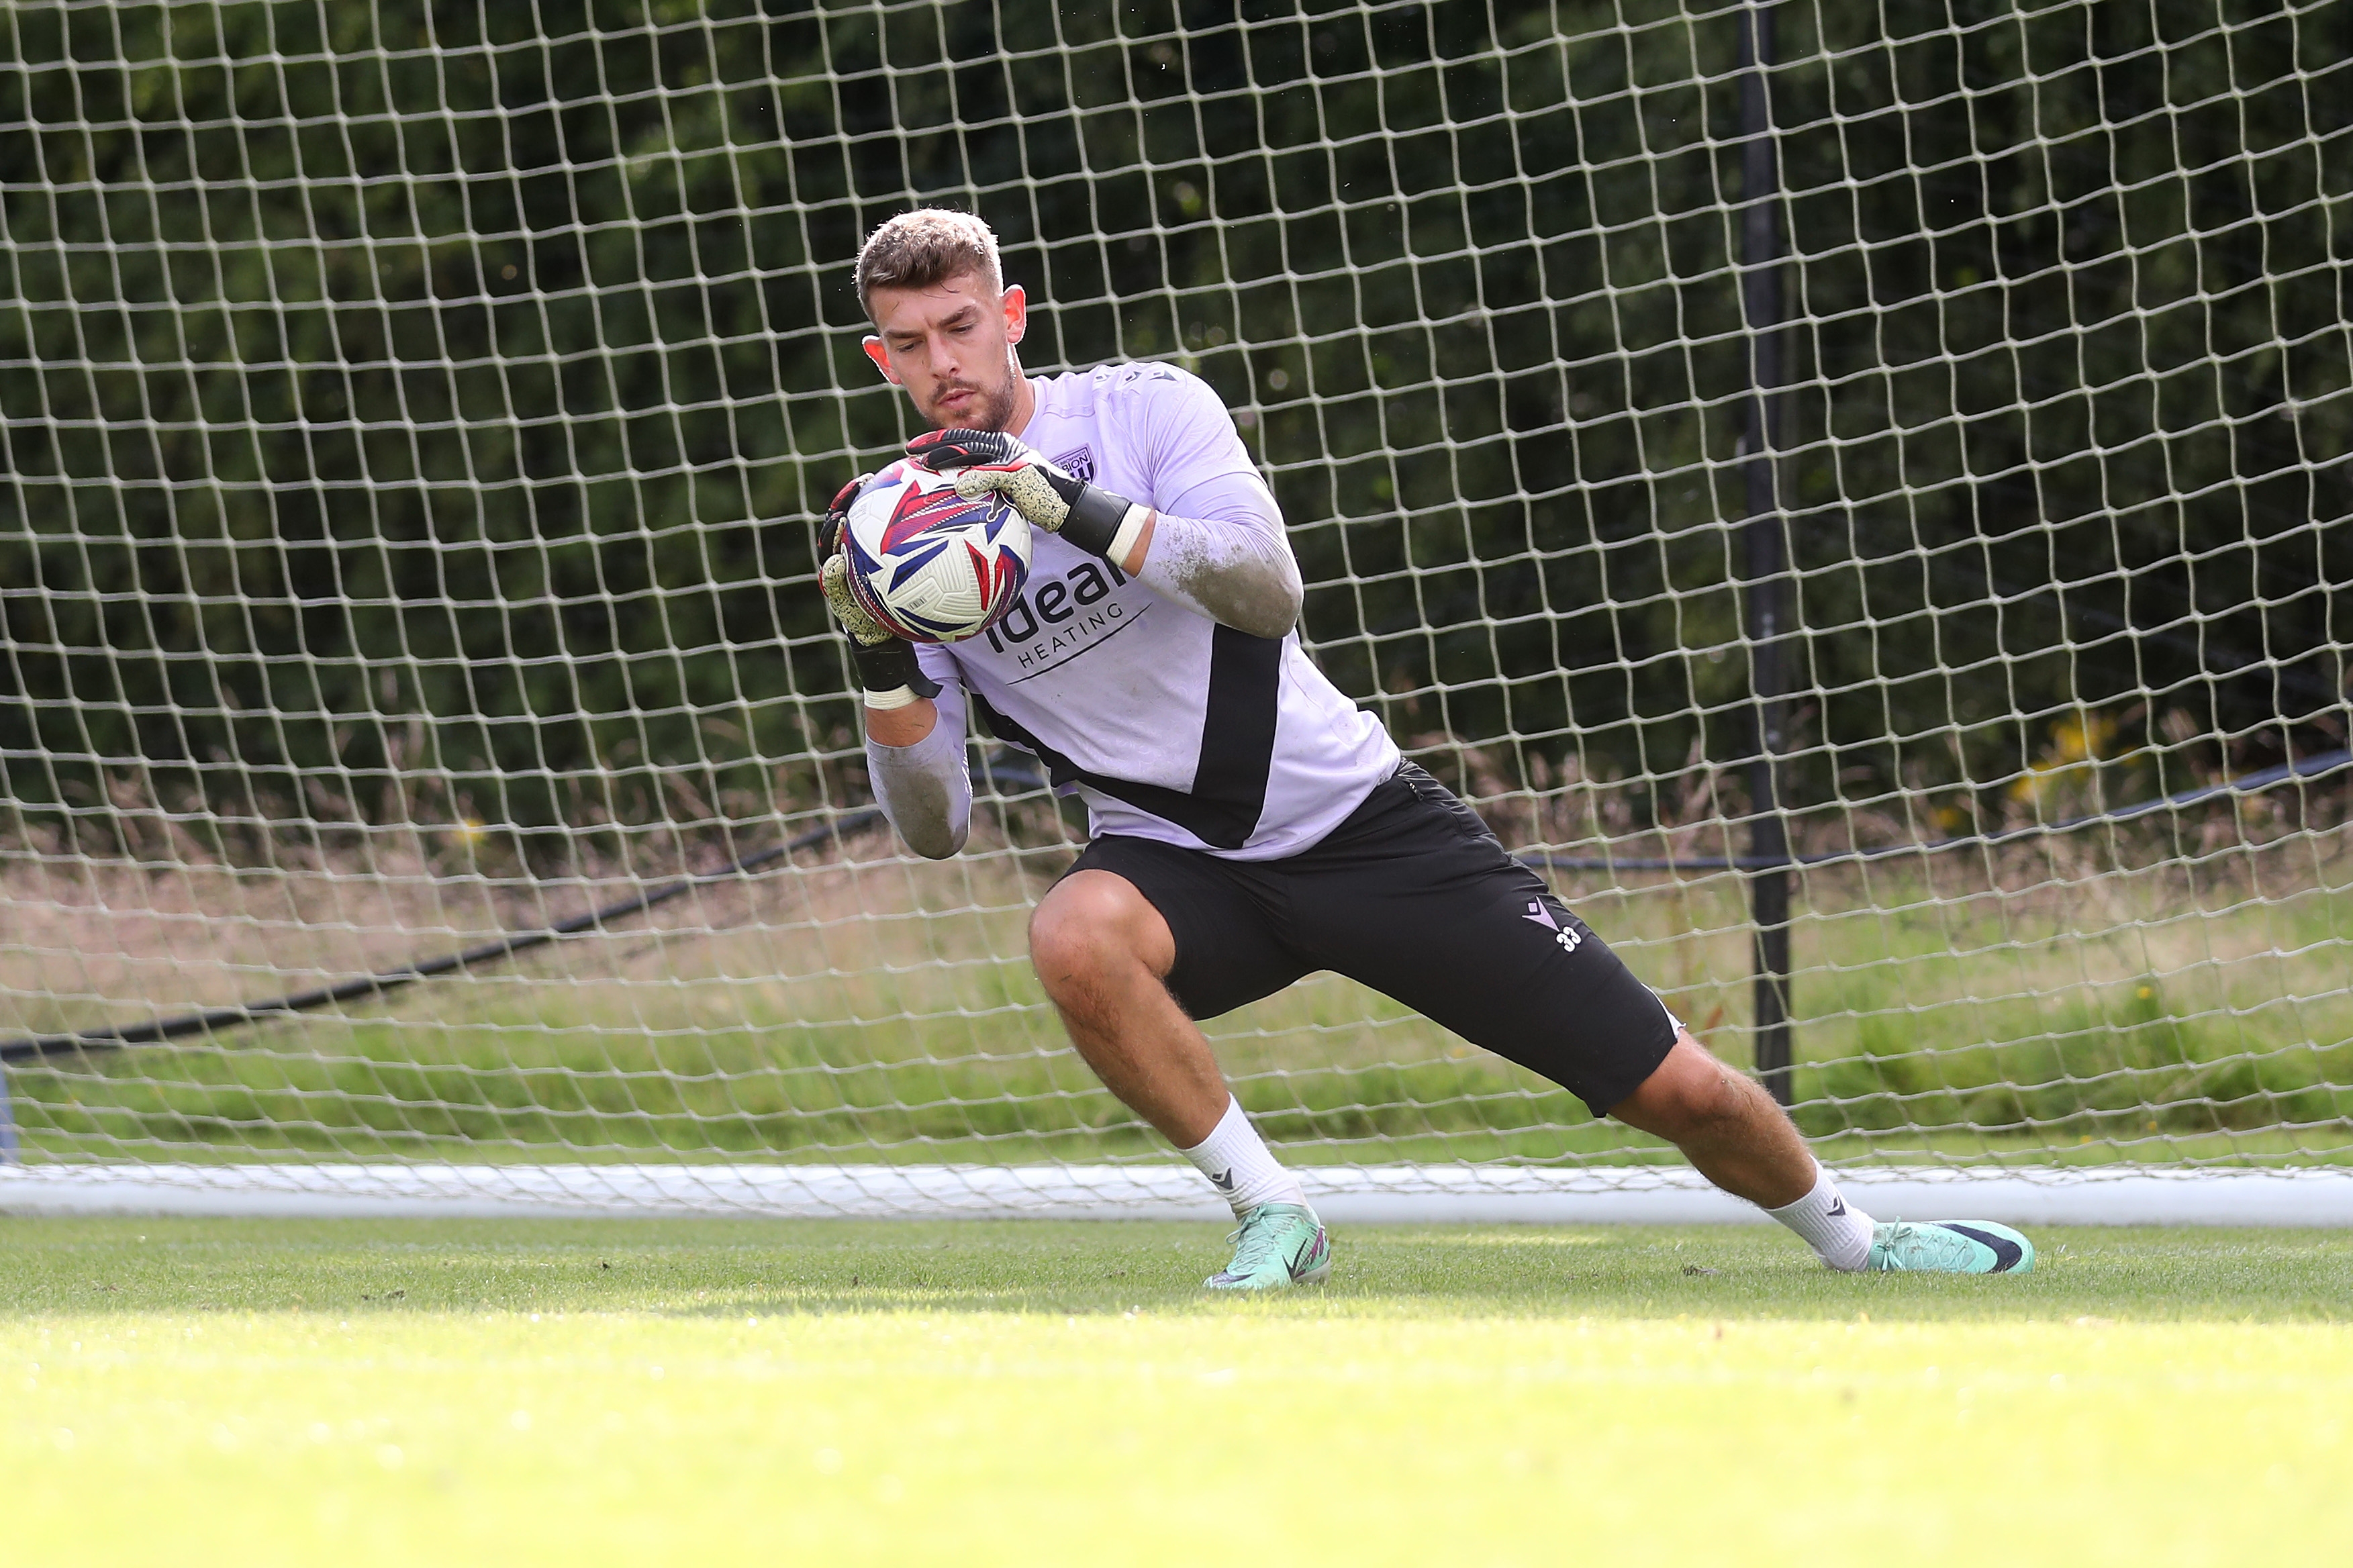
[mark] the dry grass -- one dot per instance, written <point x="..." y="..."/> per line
<point x="855" y="1002"/>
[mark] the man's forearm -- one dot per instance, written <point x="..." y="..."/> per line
<point x="1230" y="563"/>
<point x="902" y="726"/>
<point x="920" y="780"/>
<point x="1239" y="574"/>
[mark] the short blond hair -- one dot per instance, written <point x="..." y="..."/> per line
<point x="924" y="247"/>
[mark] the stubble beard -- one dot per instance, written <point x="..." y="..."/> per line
<point x="991" y="408"/>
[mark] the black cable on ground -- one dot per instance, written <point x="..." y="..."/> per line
<point x="506" y="947"/>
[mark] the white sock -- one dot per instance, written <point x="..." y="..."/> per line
<point x="1832" y="1225"/>
<point x="1239" y="1164"/>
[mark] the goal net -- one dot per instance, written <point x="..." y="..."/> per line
<point x="422" y="747"/>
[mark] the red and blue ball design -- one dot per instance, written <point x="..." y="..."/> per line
<point x="929" y="564"/>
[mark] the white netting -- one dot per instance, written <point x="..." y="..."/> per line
<point x="413" y="414"/>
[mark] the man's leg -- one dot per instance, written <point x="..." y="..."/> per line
<point x="1103" y="952"/>
<point x="1727" y="1127"/>
<point x="1735" y="1135"/>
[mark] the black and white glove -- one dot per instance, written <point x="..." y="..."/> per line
<point x="986" y="461"/>
<point x="885" y="661"/>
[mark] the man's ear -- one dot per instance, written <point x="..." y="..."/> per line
<point x="1016" y="312"/>
<point x="881" y="356"/>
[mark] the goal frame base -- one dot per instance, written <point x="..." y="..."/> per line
<point x="1357" y="1195"/>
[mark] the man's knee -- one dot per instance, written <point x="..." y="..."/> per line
<point x="1689" y="1095"/>
<point x="1093" y="927"/>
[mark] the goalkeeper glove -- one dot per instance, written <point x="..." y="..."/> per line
<point x="885" y="661"/>
<point x="983" y="461"/>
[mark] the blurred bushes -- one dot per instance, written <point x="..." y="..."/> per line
<point x="406" y="417"/>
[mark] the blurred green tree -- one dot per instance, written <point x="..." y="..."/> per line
<point x="435" y="396"/>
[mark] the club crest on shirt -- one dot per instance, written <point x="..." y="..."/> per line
<point x="1078" y="465"/>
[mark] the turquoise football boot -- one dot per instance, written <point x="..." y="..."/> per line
<point x="1948" y="1247"/>
<point x="1278" y="1245"/>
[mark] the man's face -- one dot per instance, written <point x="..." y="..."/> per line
<point x="951" y="346"/>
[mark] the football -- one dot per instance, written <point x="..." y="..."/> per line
<point x="926" y="563"/>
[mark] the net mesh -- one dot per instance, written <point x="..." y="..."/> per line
<point x="414" y="415"/>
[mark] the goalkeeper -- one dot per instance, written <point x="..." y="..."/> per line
<point x="1248" y="823"/>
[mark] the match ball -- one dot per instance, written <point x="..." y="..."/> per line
<point x="926" y="563"/>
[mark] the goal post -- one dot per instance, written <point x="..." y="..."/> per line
<point x="428" y="773"/>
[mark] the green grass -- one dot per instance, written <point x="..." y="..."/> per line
<point x="351" y="1394"/>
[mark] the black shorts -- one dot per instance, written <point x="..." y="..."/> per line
<point x="1414" y="897"/>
